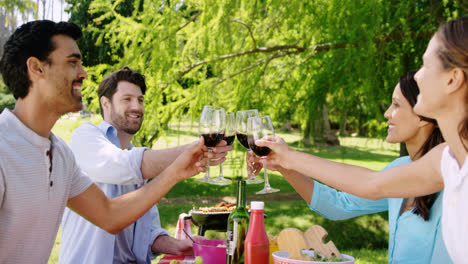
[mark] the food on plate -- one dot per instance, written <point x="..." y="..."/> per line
<point x="318" y="257"/>
<point x="220" y="207"/>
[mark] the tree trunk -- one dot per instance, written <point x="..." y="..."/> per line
<point x="308" y="132"/>
<point x="343" y="123"/>
<point x="3" y="31"/>
<point x="318" y="127"/>
<point x="329" y="137"/>
<point x="43" y="9"/>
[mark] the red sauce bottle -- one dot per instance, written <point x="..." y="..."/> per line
<point x="257" y="249"/>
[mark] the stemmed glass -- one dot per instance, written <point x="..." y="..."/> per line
<point x="229" y="136"/>
<point x="241" y="127"/>
<point x="258" y="128"/>
<point x="211" y="128"/>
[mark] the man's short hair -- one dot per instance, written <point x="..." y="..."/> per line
<point x="108" y="86"/>
<point x="33" y="39"/>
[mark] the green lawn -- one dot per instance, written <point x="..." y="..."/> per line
<point x="364" y="237"/>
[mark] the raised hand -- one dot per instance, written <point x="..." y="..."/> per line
<point x="218" y="154"/>
<point x="257" y="166"/>
<point x="280" y="150"/>
<point x="190" y="162"/>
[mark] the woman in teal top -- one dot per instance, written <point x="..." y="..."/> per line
<point x="414" y="224"/>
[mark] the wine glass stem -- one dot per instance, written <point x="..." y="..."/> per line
<point x="249" y="166"/>
<point x="220" y="171"/>
<point x="265" y="175"/>
<point x="207" y="174"/>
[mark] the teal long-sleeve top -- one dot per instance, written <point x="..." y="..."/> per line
<point x="411" y="239"/>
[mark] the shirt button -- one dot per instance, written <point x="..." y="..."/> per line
<point x="51" y="183"/>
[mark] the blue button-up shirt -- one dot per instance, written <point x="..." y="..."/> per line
<point x="411" y="239"/>
<point x="116" y="172"/>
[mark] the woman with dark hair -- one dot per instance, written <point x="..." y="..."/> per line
<point x="413" y="222"/>
<point x="443" y="96"/>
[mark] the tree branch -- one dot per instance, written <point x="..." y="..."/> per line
<point x="250" y="31"/>
<point x="192" y="18"/>
<point x="294" y="49"/>
<point x="240" y="54"/>
<point x="259" y="62"/>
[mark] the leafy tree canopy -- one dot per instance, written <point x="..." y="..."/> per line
<point x="290" y="59"/>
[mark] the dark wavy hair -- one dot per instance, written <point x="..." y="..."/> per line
<point x="410" y="90"/>
<point x="33" y="39"/>
<point x="108" y="86"/>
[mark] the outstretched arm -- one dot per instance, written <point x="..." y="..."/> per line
<point x="324" y="200"/>
<point x="415" y="179"/>
<point x="155" y="161"/>
<point x="115" y="214"/>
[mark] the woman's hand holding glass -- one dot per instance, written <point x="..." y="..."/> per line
<point x="261" y="128"/>
<point x="275" y="159"/>
<point x="241" y="127"/>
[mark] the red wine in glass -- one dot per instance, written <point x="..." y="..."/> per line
<point x="243" y="140"/>
<point x="229" y="139"/>
<point x="259" y="151"/>
<point x="212" y="139"/>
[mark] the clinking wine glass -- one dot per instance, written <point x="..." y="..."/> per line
<point x="260" y="128"/>
<point x="241" y="127"/>
<point x="211" y="128"/>
<point x="229" y="136"/>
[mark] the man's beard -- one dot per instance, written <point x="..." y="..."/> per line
<point x="121" y="123"/>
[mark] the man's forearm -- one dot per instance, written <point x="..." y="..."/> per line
<point x="115" y="214"/>
<point x="170" y="245"/>
<point x="155" y="161"/>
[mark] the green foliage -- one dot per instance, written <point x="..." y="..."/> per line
<point x="287" y="60"/>
<point x="6" y="98"/>
<point x="376" y="128"/>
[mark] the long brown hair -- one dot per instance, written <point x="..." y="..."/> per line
<point x="453" y="52"/>
<point x="410" y="90"/>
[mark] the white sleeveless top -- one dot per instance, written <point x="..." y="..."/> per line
<point x="455" y="206"/>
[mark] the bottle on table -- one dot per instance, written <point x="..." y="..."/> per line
<point x="238" y="222"/>
<point x="257" y="249"/>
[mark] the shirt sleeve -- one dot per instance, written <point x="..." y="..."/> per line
<point x="156" y="231"/>
<point x="336" y="205"/>
<point x="103" y="161"/>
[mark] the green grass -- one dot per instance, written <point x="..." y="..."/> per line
<point x="364" y="237"/>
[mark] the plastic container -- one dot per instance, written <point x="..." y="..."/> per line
<point x="282" y="257"/>
<point x="210" y="251"/>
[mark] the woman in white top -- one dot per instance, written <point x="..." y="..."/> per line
<point x="443" y="95"/>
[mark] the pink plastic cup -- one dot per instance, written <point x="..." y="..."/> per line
<point x="211" y="251"/>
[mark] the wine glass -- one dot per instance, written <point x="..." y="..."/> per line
<point x="241" y="127"/>
<point x="229" y="136"/>
<point x="259" y="128"/>
<point x="211" y="128"/>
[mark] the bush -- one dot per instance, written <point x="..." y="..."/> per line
<point x="6" y="99"/>
<point x="376" y="128"/>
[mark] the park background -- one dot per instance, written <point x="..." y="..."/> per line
<point x="324" y="70"/>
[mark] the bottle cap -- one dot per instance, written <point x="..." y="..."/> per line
<point x="257" y="205"/>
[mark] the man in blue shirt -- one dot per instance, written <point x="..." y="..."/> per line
<point x="106" y="154"/>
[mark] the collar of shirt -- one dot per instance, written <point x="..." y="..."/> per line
<point x="25" y="132"/>
<point x="111" y="133"/>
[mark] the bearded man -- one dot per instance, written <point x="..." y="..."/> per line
<point x="106" y="154"/>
